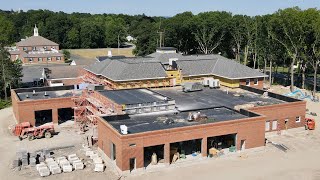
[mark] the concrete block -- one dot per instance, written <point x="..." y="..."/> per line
<point x="76" y="161"/>
<point x="33" y="155"/>
<point x="33" y="161"/>
<point x="24" y="161"/>
<point x="46" y="152"/>
<point x="72" y="156"/>
<point x="22" y="154"/>
<point x="55" y="170"/>
<point x="53" y="166"/>
<point x="78" y="166"/>
<point x="98" y="167"/>
<point x="41" y="165"/>
<point x="58" y="159"/>
<point x="64" y="162"/>
<point x="97" y="160"/>
<point x="41" y="159"/>
<point x="67" y="168"/>
<point x="16" y="163"/>
<point x="71" y="160"/>
<point x="48" y="160"/>
<point x="89" y="153"/>
<point x="44" y="171"/>
<point x="94" y="156"/>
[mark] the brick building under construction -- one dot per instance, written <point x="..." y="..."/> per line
<point x="158" y="121"/>
<point x="135" y="122"/>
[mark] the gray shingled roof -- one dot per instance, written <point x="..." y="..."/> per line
<point x="36" y="41"/>
<point x="60" y="72"/>
<point x="128" y="69"/>
<point x="216" y="65"/>
<point x="30" y="73"/>
<point x="164" y="57"/>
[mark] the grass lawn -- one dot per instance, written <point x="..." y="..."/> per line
<point x="5" y="104"/>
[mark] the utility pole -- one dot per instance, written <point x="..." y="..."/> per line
<point x="118" y="44"/>
<point x="161" y="34"/>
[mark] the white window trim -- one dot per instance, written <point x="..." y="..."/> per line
<point x="298" y="120"/>
<point x="248" y="83"/>
<point x="30" y="59"/>
<point x="254" y="81"/>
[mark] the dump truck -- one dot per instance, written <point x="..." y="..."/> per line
<point x="192" y="86"/>
<point x="26" y="130"/>
<point x="310" y="124"/>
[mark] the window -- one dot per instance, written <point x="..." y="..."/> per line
<point x="58" y="58"/>
<point x="267" y="128"/>
<point x="49" y="59"/>
<point x="25" y="48"/>
<point x="298" y="119"/>
<point x="256" y="82"/>
<point x="30" y="59"/>
<point x="34" y="48"/>
<point x="45" y="47"/>
<point x="274" y="125"/>
<point x="132" y="145"/>
<point x="40" y="59"/>
<point x="247" y="82"/>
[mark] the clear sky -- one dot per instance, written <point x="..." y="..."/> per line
<point x="159" y="7"/>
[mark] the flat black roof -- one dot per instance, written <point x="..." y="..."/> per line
<point x="156" y="121"/>
<point x="36" y="93"/>
<point x="133" y="96"/>
<point x="215" y="98"/>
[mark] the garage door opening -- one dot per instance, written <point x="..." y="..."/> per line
<point x="224" y="144"/>
<point x="185" y="149"/>
<point x="65" y="114"/>
<point x="42" y="117"/>
<point x="153" y="155"/>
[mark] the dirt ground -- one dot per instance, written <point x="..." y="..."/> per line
<point x="301" y="161"/>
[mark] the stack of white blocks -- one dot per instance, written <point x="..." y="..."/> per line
<point x="43" y="170"/>
<point x="76" y="162"/>
<point x="97" y="160"/>
<point x="53" y="166"/>
<point x="64" y="164"/>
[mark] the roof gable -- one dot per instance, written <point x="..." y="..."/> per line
<point x="128" y="69"/>
<point x="36" y="41"/>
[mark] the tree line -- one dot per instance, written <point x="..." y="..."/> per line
<point x="287" y="38"/>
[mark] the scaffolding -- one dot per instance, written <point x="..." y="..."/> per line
<point x="91" y="79"/>
<point x="87" y="108"/>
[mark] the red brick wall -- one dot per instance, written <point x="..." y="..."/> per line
<point x="24" y="111"/>
<point x="107" y="102"/>
<point x="259" y="86"/>
<point x="284" y="111"/>
<point x="250" y="129"/>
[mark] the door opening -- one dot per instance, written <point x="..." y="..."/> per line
<point x="243" y="145"/>
<point x="132" y="164"/>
